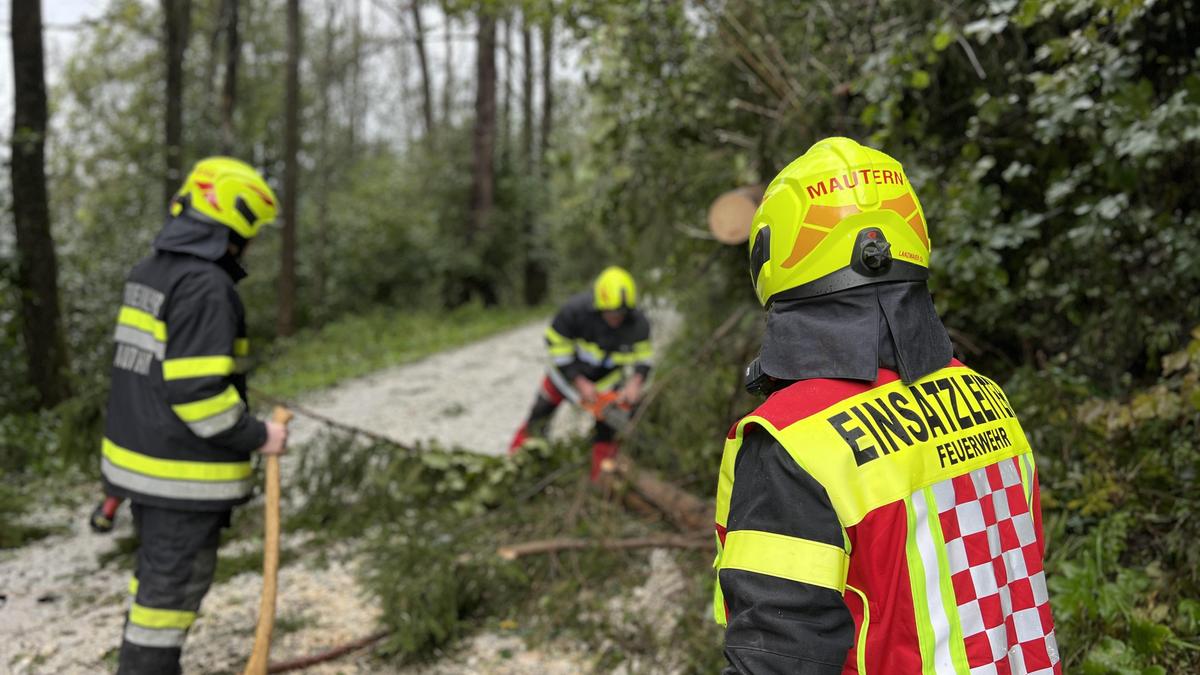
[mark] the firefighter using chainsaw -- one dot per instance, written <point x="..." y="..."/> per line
<point x="178" y="435"/>
<point x="879" y="512"/>
<point x="599" y="348"/>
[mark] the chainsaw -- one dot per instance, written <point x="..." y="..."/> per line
<point x="609" y="409"/>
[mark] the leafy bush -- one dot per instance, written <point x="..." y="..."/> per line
<point x="1121" y="482"/>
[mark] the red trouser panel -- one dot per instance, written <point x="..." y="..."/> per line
<point x="548" y="399"/>
<point x="519" y="439"/>
<point x="878" y="568"/>
<point x="551" y="392"/>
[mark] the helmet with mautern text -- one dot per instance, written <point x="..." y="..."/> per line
<point x="841" y="215"/>
<point x="614" y="289"/>
<point x="228" y="192"/>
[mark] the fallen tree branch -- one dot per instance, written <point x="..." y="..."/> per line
<point x="328" y="655"/>
<point x="689" y="541"/>
<point x="688" y="512"/>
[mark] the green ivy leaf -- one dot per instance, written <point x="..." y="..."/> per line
<point x="942" y="39"/>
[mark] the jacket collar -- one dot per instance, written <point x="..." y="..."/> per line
<point x="205" y="240"/>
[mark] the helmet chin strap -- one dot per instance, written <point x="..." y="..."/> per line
<point x="237" y="245"/>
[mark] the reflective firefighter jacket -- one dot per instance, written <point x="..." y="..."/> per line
<point x="580" y="342"/>
<point x="883" y="528"/>
<point x="178" y="433"/>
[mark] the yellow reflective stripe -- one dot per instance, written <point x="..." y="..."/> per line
<point x="1027" y="474"/>
<point x="591" y="348"/>
<point x="554" y="337"/>
<point x="197" y="366"/>
<point x="174" y="469"/>
<point x="643" y="349"/>
<point x="241" y="347"/>
<point x="776" y="555"/>
<point x="149" y="617"/>
<point x="916" y="579"/>
<point x="610" y="380"/>
<point x="198" y="410"/>
<point x="558" y="344"/>
<point x="136" y="318"/>
<point x="133" y="585"/>
<point x="625" y="358"/>
<point x="861" y="646"/>
<point x="718" y="602"/>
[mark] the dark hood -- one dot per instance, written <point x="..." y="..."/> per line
<point x="849" y="335"/>
<point x="210" y="241"/>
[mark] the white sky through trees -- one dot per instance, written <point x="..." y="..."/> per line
<point x="59" y="18"/>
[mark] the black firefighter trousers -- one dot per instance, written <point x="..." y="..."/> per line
<point x="175" y="564"/>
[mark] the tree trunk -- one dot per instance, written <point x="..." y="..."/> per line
<point x="423" y="62"/>
<point x="535" y="278"/>
<point x="448" y="75"/>
<point x="483" y="154"/>
<point x="547" y="88"/>
<point x="506" y="103"/>
<point x="286" y="323"/>
<point x="177" y="27"/>
<point x="37" y="268"/>
<point x="233" y="48"/>
<point x="483" y="174"/>
<point x="687" y="511"/>
<point x="355" y="102"/>
<point x="327" y="163"/>
<point x="527" y="96"/>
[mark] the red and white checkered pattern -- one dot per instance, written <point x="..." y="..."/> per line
<point x="996" y="567"/>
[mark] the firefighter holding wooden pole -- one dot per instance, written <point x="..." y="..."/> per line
<point x="178" y="434"/>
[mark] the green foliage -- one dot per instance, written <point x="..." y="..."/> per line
<point x="1120" y="486"/>
<point x="1054" y="136"/>
<point x="429" y="523"/>
<point x="14" y="504"/>
<point x="53" y="441"/>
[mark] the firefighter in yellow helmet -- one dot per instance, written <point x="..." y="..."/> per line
<point x="178" y="435"/>
<point x="599" y="341"/>
<point x="879" y="512"/>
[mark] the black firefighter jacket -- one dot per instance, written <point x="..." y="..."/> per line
<point x="178" y="432"/>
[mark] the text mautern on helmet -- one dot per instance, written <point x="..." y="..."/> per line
<point x="841" y="215"/>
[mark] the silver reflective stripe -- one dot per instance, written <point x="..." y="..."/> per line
<point x="154" y="637"/>
<point x="565" y="388"/>
<point x="199" y="490"/>
<point x="590" y="358"/>
<point x="141" y="296"/>
<point x="136" y="338"/>
<point x="222" y="421"/>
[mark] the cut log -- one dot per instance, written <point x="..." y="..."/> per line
<point x="730" y="215"/>
<point x="514" y="551"/>
<point x="688" y="512"/>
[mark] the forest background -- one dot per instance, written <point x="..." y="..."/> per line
<point x="457" y="158"/>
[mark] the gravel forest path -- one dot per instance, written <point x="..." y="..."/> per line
<point x="62" y="609"/>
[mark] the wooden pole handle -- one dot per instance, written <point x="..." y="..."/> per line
<point x="257" y="665"/>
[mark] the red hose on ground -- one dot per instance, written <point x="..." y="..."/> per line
<point x="329" y="655"/>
